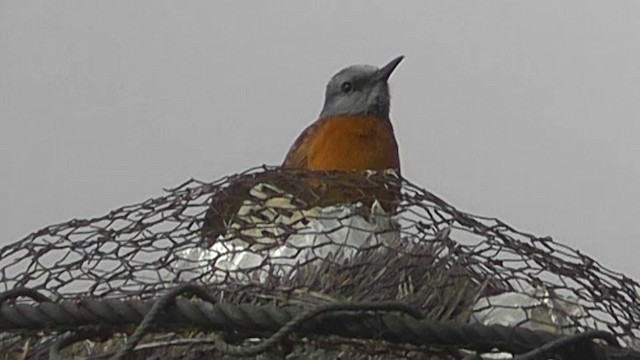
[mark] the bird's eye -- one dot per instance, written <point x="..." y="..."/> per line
<point x="346" y="87"/>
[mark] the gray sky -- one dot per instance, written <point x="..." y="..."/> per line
<point x="524" y="110"/>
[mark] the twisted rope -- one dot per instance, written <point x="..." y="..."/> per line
<point x="582" y="339"/>
<point x="303" y="317"/>
<point x="353" y="320"/>
<point x="151" y="316"/>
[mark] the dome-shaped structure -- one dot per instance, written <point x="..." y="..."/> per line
<point x="271" y="237"/>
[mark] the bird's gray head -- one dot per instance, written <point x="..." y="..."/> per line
<point x="359" y="89"/>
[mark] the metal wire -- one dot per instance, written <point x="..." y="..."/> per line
<point x="273" y="237"/>
<point x="352" y="320"/>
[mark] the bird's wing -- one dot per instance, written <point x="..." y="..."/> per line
<point x="297" y="157"/>
<point x="227" y="202"/>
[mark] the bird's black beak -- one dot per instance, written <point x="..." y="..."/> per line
<point x="385" y="71"/>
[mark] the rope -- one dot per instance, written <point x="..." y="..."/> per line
<point x="301" y="318"/>
<point x="352" y="320"/>
<point x="560" y="344"/>
<point x="152" y="315"/>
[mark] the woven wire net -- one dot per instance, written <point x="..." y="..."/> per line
<point x="282" y="237"/>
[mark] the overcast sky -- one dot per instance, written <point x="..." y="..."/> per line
<point x="524" y="110"/>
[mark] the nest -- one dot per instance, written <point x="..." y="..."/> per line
<point x="294" y="238"/>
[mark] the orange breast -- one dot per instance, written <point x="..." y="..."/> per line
<point x="352" y="143"/>
<point x="345" y="143"/>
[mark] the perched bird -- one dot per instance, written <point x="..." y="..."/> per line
<point x="352" y="134"/>
<point x="353" y="131"/>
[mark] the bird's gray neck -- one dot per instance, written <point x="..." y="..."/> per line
<point x="377" y="110"/>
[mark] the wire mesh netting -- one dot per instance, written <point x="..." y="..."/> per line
<point x="282" y="237"/>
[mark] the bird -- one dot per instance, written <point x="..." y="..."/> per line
<point x="353" y="133"/>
